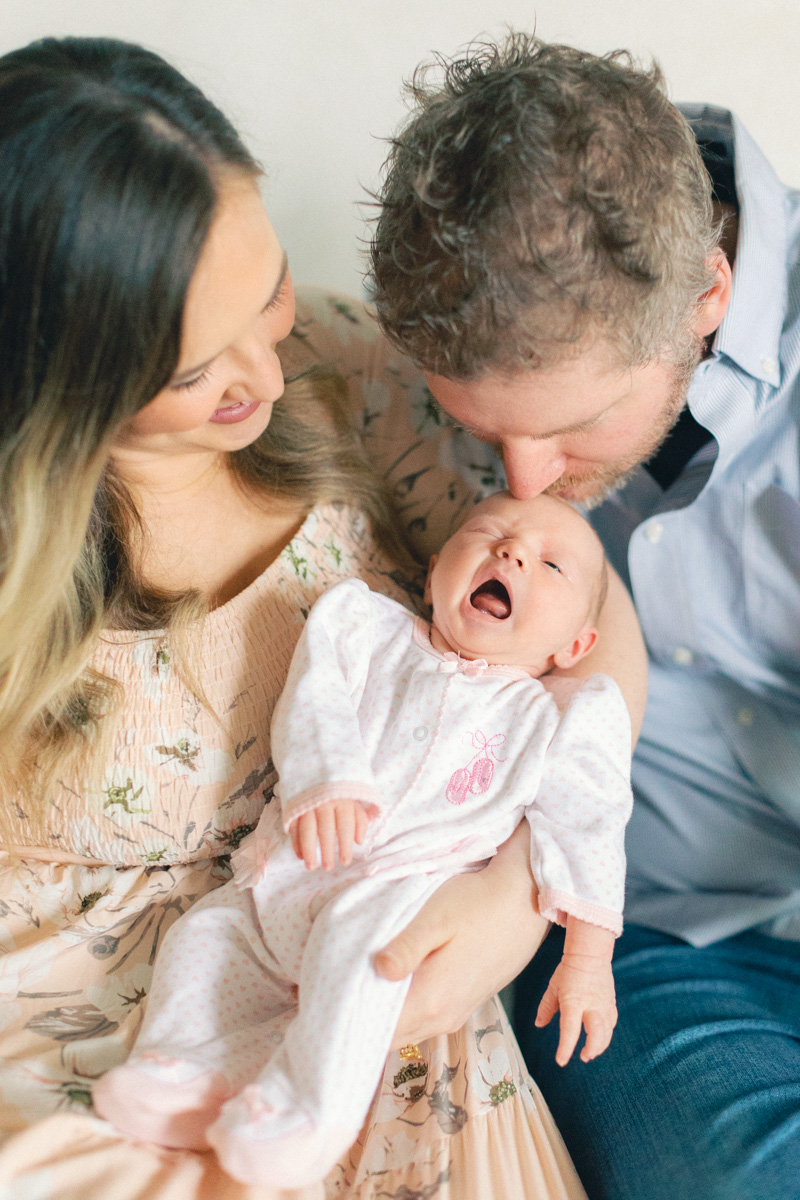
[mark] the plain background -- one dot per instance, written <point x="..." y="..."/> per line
<point x="315" y="85"/>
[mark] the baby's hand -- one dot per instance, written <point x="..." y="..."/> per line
<point x="582" y="989"/>
<point x="338" y="823"/>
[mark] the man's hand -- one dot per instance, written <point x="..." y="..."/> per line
<point x="582" y="990"/>
<point x="473" y="936"/>
<point x="317" y="835"/>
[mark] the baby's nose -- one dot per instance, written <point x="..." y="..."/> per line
<point x="513" y="552"/>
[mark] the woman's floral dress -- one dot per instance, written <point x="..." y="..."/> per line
<point x="102" y="874"/>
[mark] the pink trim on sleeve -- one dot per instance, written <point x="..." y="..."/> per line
<point x="556" y="906"/>
<point x="321" y="793"/>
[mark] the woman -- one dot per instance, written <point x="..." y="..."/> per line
<point x="169" y="514"/>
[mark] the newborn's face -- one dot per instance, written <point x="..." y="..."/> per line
<point x="516" y="583"/>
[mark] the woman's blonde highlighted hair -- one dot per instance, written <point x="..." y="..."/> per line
<point x="109" y="160"/>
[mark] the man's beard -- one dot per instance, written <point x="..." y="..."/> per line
<point x="595" y="485"/>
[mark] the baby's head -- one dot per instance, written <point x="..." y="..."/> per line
<point x="522" y="582"/>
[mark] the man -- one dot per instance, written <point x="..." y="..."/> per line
<point x="555" y="251"/>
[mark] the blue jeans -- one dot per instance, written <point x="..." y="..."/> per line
<point x="698" y="1096"/>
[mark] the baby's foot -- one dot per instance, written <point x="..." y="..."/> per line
<point x="159" y="1098"/>
<point x="257" y="1142"/>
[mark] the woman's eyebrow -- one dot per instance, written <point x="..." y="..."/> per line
<point x="200" y="367"/>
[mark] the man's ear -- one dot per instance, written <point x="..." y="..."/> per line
<point x="434" y="558"/>
<point x="713" y="304"/>
<point x="576" y="650"/>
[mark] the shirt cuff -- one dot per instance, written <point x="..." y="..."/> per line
<point x="321" y="793"/>
<point x="556" y="906"/>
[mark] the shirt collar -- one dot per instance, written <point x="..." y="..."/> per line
<point x="750" y="332"/>
<point x="452" y="662"/>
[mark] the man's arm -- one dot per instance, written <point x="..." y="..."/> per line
<point x="473" y="936"/>
<point x="619" y="652"/>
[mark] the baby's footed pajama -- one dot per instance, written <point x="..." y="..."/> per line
<point x="226" y="1058"/>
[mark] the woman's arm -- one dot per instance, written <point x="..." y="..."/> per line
<point x="478" y="931"/>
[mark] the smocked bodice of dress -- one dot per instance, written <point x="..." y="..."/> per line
<point x="187" y="780"/>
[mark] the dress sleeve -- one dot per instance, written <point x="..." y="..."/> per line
<point x="317" y="746"/>
<point x="436" y="470"/>
<point x="581" y="808"/>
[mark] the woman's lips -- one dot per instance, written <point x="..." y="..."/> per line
<point x="233" y="413"/>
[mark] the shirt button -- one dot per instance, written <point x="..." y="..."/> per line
<point x="421" y="732"/>
<point x="682" y="657"/>
<point x="653" y="531"/>
<point x="745" y="716"/>
<point x="769" y="366"/>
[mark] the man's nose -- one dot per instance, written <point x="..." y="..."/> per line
<point x="531" y="466"/>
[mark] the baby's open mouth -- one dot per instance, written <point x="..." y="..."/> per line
<point x="492" y="597"/>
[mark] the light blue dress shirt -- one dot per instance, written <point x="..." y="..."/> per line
<point x="713" y="564"/>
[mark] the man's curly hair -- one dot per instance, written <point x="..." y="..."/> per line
<point x="540" y="197"/>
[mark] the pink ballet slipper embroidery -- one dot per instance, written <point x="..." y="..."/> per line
<point x="476" y="776"/>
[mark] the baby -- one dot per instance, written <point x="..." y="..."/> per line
<point x="405" y="753"/>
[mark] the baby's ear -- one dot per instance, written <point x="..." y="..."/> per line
<point x="577" y="649"/>
<point x="434" y="558"/>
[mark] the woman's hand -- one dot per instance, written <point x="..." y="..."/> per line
<point x="474" y="936"/>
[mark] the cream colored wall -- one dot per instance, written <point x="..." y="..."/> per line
<point x="315" y="84"/>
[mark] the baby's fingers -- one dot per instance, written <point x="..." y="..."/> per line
<point x="326" y="831"/>
<point x="571" y="1024"/>
<point x="307" y="839"/>
<point x="548" y="1006"/>
<point x="362" y="823"/>
<point x="346" y="829"/>
<point x="598" y="1034"/>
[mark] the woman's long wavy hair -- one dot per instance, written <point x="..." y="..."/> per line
<point x="109" y="159"/>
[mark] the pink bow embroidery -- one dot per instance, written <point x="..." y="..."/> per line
<point x="467" y="666"/>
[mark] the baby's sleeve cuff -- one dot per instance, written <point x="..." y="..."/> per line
<point x="321" y="793"/>
<point x="556" y="906"/>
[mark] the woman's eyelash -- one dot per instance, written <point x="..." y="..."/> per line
<point x="277" y="299"/>
<point x="200" y="379"/>
<point x="193" y="383"/>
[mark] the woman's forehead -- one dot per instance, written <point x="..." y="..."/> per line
<point x="236" y="273"/>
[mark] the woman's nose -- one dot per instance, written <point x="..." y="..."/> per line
<point x="260" y="372"/>
<point x="531" y="466"/>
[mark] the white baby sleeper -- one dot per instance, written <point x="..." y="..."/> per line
<point x="267" y="1026"/>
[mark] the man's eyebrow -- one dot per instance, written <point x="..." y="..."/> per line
<point x="575" y="427"/>
<point x="484" y="435"/>
<point x="198" y="370"/>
